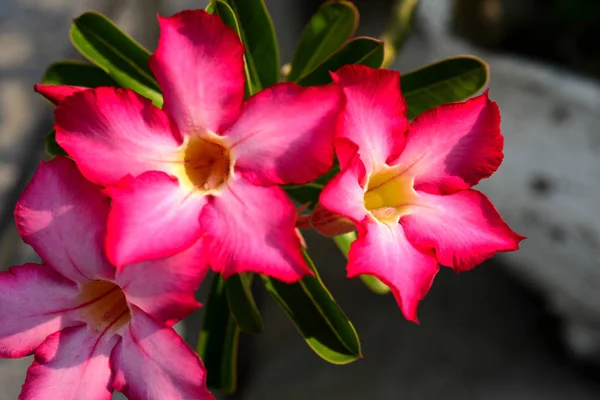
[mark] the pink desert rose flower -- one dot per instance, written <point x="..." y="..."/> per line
<point x="208" y="163"/>
<point x="93" y="329"/>
<point x="407" y="187"/>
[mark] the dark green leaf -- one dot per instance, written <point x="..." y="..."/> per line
<point x="398" y="29"/>
<point x="445" y="81"/>
<point x="327" y="30"/>
<point x="361" y="50"/>
<point x="241" y="303"/>
<point x="76" y="73"/>
<point x="219" y="339"/>
<point x="317" y="316"/>
<point x="343" y="242"/>
<point x="258" y="36"/>
<point x="125" y="60"/>
<point x="226" y="13"/>
<point x="53" y="148"/>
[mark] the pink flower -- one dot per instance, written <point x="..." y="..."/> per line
<point x="407" y="188"/>
<point x="207" y="164"/>
<point x="93" y="329"/>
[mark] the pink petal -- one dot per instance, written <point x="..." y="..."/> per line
<point x="32" y="298"/>
<point x="63" y="216"/>
<point x="112" y="132"/>
<point x="344" y="194"/>
<point x="72" y="364"/>
<point x="200" y="68"/>
<point x="382" y="250"/>
<point x="454" y="146"/>
<point x="329" y="223"/>
<point x="166" y="291"/>
<point x="252" y="229"/>
<point x="285" y="133"/>
<point x="153" y="362"/>
<point x="375" y="114"/>
<point x="151" y="217"/>
<point x="464" y="228"/>
<point x="57" y="93"/>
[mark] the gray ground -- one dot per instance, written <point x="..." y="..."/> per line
<point x="483" y="335"/>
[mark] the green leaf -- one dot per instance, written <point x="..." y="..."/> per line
<point x="317" y="316"/>
<point x="226" y="13"/>
<point x="76" y="73"/>
<point x="361" y="50"/>
<point x="398" y="29"/>
<point x="258" y="36"/>
<point x="330" y="27"/>
<point x="241" y="303"/>
<point x="121" y="57"/>
<point x="446" y="81"/>
<point x="343" y="242"/>
<point x="52" y="147"/>
<point x="219" y="339"/>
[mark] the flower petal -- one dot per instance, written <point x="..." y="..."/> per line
<point x="199" y="66"/>
<point x="32" y="298"/>
<point x="113" y="132"/>
<point x="344" y="194"/>
<point x="72" y="364"/>
<point x="167" y="290"/>
<point x="375" y="114"/>
<point x="454" y="146"/>
<point x="153" y="362"/>
<point x="63" y="217"/>
<point x="464" y="228"/>
<point x="285" y="133"/>
<point x="252" y="229"/>
<point x="329" y="223"/>
<point x="57" y="93"/>
<point x="151" y="217"/>
<point x="382" y="250"/>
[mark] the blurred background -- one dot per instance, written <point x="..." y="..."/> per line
<point x="524" y="325"/>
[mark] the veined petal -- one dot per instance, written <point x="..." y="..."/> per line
<point x="344" y="194"/>
<point x="329" y="223"/>
<point x="63" y="217"/>
<point x="153" y="362"/>
<point x="166" y="291"/>
<point x="112" y="132"/>
<point x="454" y="146"/>
<point x="151" y="217"/>
<point x="33" y="298"/>
<point x="252" y="229"/>
<point x="285" y="134"/>
<point x="375" y="114"/>
<point x="57" y="93"/>
<point x="382" y="250"/>
<point x="199" y="66"/>
<point x="71" y="365"/>
<point x="464" y="228"/>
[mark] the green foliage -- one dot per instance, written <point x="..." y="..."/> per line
<point x="325" y="33"/>
<point x="241" y="303"/>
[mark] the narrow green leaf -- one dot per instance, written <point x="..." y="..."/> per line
<point x="219" y="339"/>
<point x="446" y="81"/>
<point x="398" y="29"/>
<point x="241" y="303"/>
<point x="317" y="316"/>
<point x="361" y="50"/>
<point x="76" y="73"/>
<point x="52" y="147"/>
<point x="121" y="57"/>
<point x="258" y="36"/>
<point x="343" y="242"/>
<point x="226" y="13"/>
<point x="331" y="26"/>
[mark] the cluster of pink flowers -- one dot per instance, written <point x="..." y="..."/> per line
<point x="150" y="198"/>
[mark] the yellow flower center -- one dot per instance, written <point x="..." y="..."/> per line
<point x="104" y="305"/>
<point x="207" y="163"/>
<point x="390" y="195"/>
